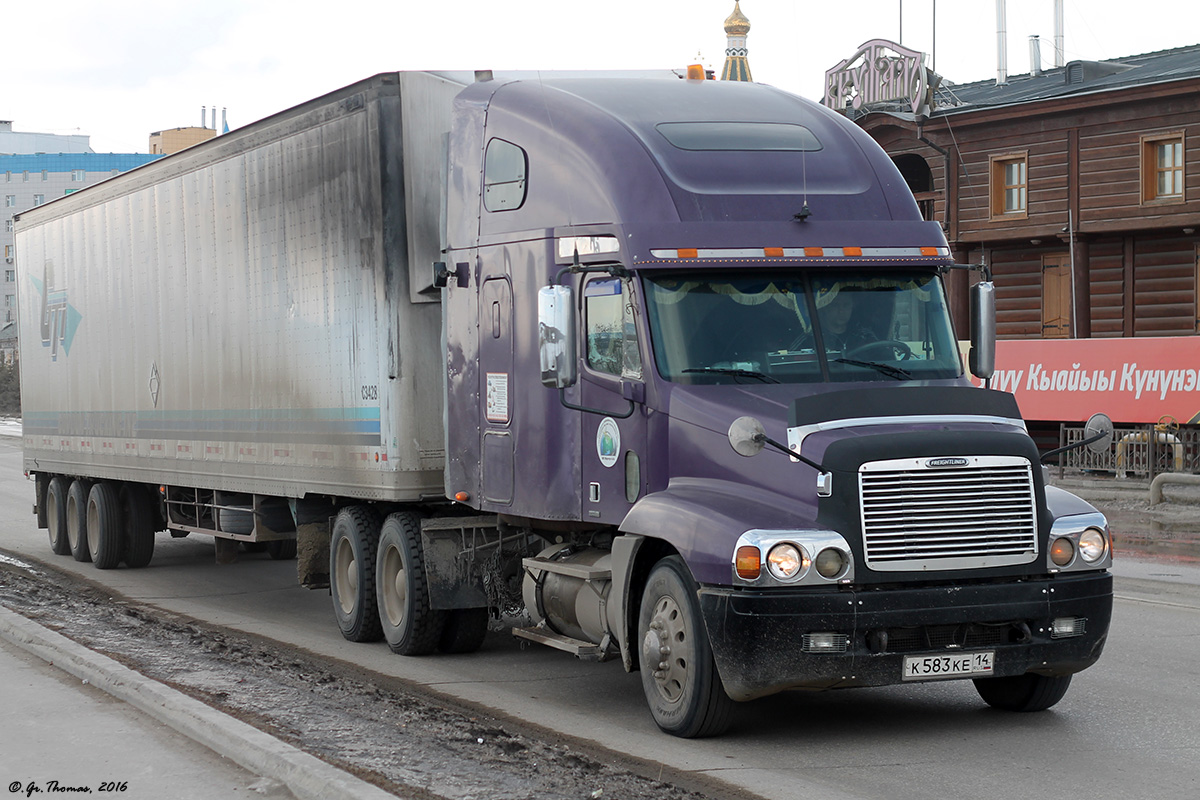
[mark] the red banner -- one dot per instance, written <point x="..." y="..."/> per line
<point x="1131" y="380"/>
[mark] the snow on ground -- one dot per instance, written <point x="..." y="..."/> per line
<point x="10" y="426"/>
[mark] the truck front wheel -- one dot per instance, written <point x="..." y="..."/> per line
<point x="410" y="626"/>
<point x="352" y="573"/>
<point x="1028" y="692"/>
<point x="679" y="675"/>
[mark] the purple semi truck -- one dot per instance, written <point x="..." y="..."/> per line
<point x="649" y="368"/>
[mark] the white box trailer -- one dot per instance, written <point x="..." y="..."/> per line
<point x="240" y="317"/>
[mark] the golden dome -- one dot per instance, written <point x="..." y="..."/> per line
<point x="737" y="24"/>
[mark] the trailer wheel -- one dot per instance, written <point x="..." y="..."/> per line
<point x="679" y="675"/>
<point x="56" y="515"/>
<point x="1028" y="692"/>
<point x="137" y="511"/>
<point x="464" y="630"/>
<point x="410" y="626"/>
<point x="105" y="541"/>
<point x="352" y="573"/>
<point x="77" y="501"/>
<point x="282" y="549"/>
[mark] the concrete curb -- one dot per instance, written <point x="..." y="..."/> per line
<point x="306" y="776"/>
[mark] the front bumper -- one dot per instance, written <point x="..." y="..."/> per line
<point x="756" y="634"/>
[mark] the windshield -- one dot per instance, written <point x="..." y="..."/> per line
<point x="800" y="326"/>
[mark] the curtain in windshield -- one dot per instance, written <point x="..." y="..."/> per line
<point x="800" y="326"/>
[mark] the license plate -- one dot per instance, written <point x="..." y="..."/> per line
<point x="958" y="665"/>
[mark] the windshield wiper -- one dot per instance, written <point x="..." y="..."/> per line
<point x="887" y="369"/>
<point x="737" y="373"/>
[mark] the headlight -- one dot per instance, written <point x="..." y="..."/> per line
<point x="1062" y="551"/>
<point x="787" y="561"/>
<point x="1092" y="545"/>
<point x="830" y="562"/>
<point x="792" y="558"/>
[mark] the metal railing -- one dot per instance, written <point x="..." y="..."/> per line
<point x="1136" y="451"/>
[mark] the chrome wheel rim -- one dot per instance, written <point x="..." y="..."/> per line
<point x="666" y="648"/>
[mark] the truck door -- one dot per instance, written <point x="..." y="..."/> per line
<point x="610" y="380"/>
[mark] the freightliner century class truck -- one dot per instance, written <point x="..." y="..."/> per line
<point x="661" y="368"/>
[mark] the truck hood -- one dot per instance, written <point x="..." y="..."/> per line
<point x="714" y="495"/>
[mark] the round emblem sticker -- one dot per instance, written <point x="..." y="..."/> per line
<point x="608" y="441"/>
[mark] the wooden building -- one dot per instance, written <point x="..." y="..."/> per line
<point x="1080" y="187"/>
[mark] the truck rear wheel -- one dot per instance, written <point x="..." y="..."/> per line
<point x="352" y="550"/>
<point x="105" y="541"/>
<point x="1028" y="692"/>
<point x="464" y="631"/>
<point x="77" y="501"/>
<point x="410" y="626"/>
<point x="679" y="675"/>
<point x="137" y="512"/>
<point x="281" y="549"/>
<point x="56" y="515"/>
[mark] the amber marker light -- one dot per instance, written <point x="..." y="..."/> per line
<point x="1062" y="551"/>
<point x="462" y="497"/>
<point x="748" y="562"/>
<point x="695" y="72"/>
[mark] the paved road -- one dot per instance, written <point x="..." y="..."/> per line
<point x="1128" y="727"/>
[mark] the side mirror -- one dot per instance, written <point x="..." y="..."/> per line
<point x="1098" y="433"/>
<point x="556" y="336"/>
<point x="982" y="358"/>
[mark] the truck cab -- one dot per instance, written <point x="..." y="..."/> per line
<point x="736" y="410"/>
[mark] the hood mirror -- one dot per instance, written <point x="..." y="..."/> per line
<point x="747" y="436"/>
<point x="1098" y="433"/>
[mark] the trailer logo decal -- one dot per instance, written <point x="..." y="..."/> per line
<point x="935" y="463"/>
<point x="59" y="319"/>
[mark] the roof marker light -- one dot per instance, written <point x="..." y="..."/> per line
<point x="874" y="253"/>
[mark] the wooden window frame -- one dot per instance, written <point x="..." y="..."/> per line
<point x="996" y="167"/>
<point x="1150" y="142"/>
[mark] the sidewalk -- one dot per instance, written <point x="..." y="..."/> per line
<point x="61" y="732"/>
<point x="79" y="719"/>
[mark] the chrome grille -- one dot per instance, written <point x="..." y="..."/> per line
<point x="932" y="514"/>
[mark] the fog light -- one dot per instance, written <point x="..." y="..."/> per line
<point x="1062" y="551"/>
<point x="830" y="563"/>
<point x="1066" y="627"/>
<point x="1092" y="545"/>
<point x="824" y="642"/>
<point x="787" y="561"/>
<point x="748" y="563"/>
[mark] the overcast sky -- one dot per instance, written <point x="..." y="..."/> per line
<point x="118" y="70"/>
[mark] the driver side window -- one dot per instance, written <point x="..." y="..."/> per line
<point x="611" y="332"/>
